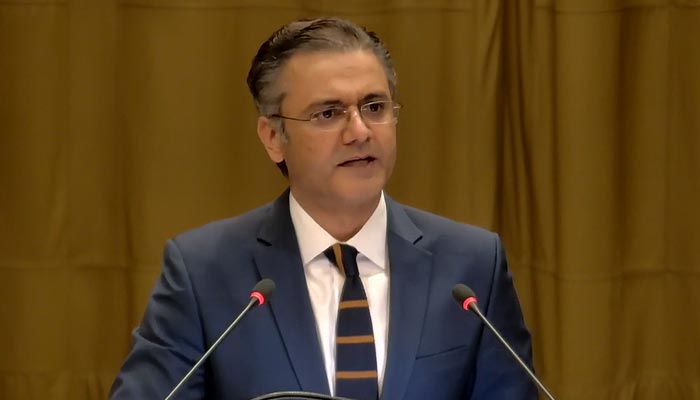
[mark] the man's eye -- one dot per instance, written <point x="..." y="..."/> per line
<point x="329" y="113"/>
<point x="375" y="107"/>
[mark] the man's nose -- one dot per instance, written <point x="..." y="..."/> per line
<point x="357" y="129"/>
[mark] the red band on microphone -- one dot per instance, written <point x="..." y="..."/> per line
<point x="259" y="296"/>
<point x="467" y="302"/>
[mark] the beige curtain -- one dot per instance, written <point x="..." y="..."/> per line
<point x="571" y="127"/>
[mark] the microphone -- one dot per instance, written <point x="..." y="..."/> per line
<point x="299" y="395"/>
<point x="466" y="298"/>
<point x="261" y="292"/>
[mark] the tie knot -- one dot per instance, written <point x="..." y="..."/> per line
<point x="344" y="257"/>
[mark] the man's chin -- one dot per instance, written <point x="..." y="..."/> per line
<point x="361" y="195"/>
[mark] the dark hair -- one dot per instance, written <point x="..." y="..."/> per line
<point x="308" y="35"/>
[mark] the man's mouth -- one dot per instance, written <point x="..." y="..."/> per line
<point x="357" y="162"/>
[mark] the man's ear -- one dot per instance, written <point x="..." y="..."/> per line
<point x="271" y="139"/>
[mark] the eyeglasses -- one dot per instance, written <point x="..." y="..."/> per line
<point x="336" y="118"/>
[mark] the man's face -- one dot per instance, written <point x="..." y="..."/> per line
<point x="347" y="167"/>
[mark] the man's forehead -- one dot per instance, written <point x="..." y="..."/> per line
<point x="324" y="75"/>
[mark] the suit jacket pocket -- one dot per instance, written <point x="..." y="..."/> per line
<point x="441" y="375"/>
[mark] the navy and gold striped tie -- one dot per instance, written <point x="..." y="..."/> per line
<point x="355" y="355"/>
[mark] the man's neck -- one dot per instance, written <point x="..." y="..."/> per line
<point x="340" y="221"/>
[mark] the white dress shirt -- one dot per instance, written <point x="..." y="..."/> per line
<point x="325" y="282"/>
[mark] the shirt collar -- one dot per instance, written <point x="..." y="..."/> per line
<point x="370" y="241"/>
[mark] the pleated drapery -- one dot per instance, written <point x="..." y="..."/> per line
<point x="571" y="127"/>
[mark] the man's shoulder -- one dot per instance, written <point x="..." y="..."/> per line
<point x="438" y="230"/>
<point x="236" y="230"/>
<point x="424" y="218"/>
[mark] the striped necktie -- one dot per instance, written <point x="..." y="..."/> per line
<point x="355" y="355"/>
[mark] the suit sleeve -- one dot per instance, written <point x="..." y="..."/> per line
<point x="168" y="341"/>
<point x="498" y="375"/>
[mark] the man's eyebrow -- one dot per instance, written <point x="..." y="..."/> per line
<point x="337" y="103"/>
<point x="374" y="97"/>
<point x="322" y="103"/>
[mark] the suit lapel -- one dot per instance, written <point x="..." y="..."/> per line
<point x="410" y="269"/>
<point x="279" y="260"/>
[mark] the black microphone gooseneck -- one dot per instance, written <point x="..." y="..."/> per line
<point x="261" y="292"/>
<point x="466" y="298"/>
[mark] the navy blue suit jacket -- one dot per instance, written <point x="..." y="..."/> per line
<point x="435" y="350"/>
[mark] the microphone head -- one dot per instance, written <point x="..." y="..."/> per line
<point x="463" y="295"/>
<point x="263" y="290"/>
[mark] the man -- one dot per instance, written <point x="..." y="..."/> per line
<point x="325" y="91"/>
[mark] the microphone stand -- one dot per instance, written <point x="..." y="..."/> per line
<point x="206" y="355"/>
<point x="299" y="395"/>
<point x="512" y="352"/>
